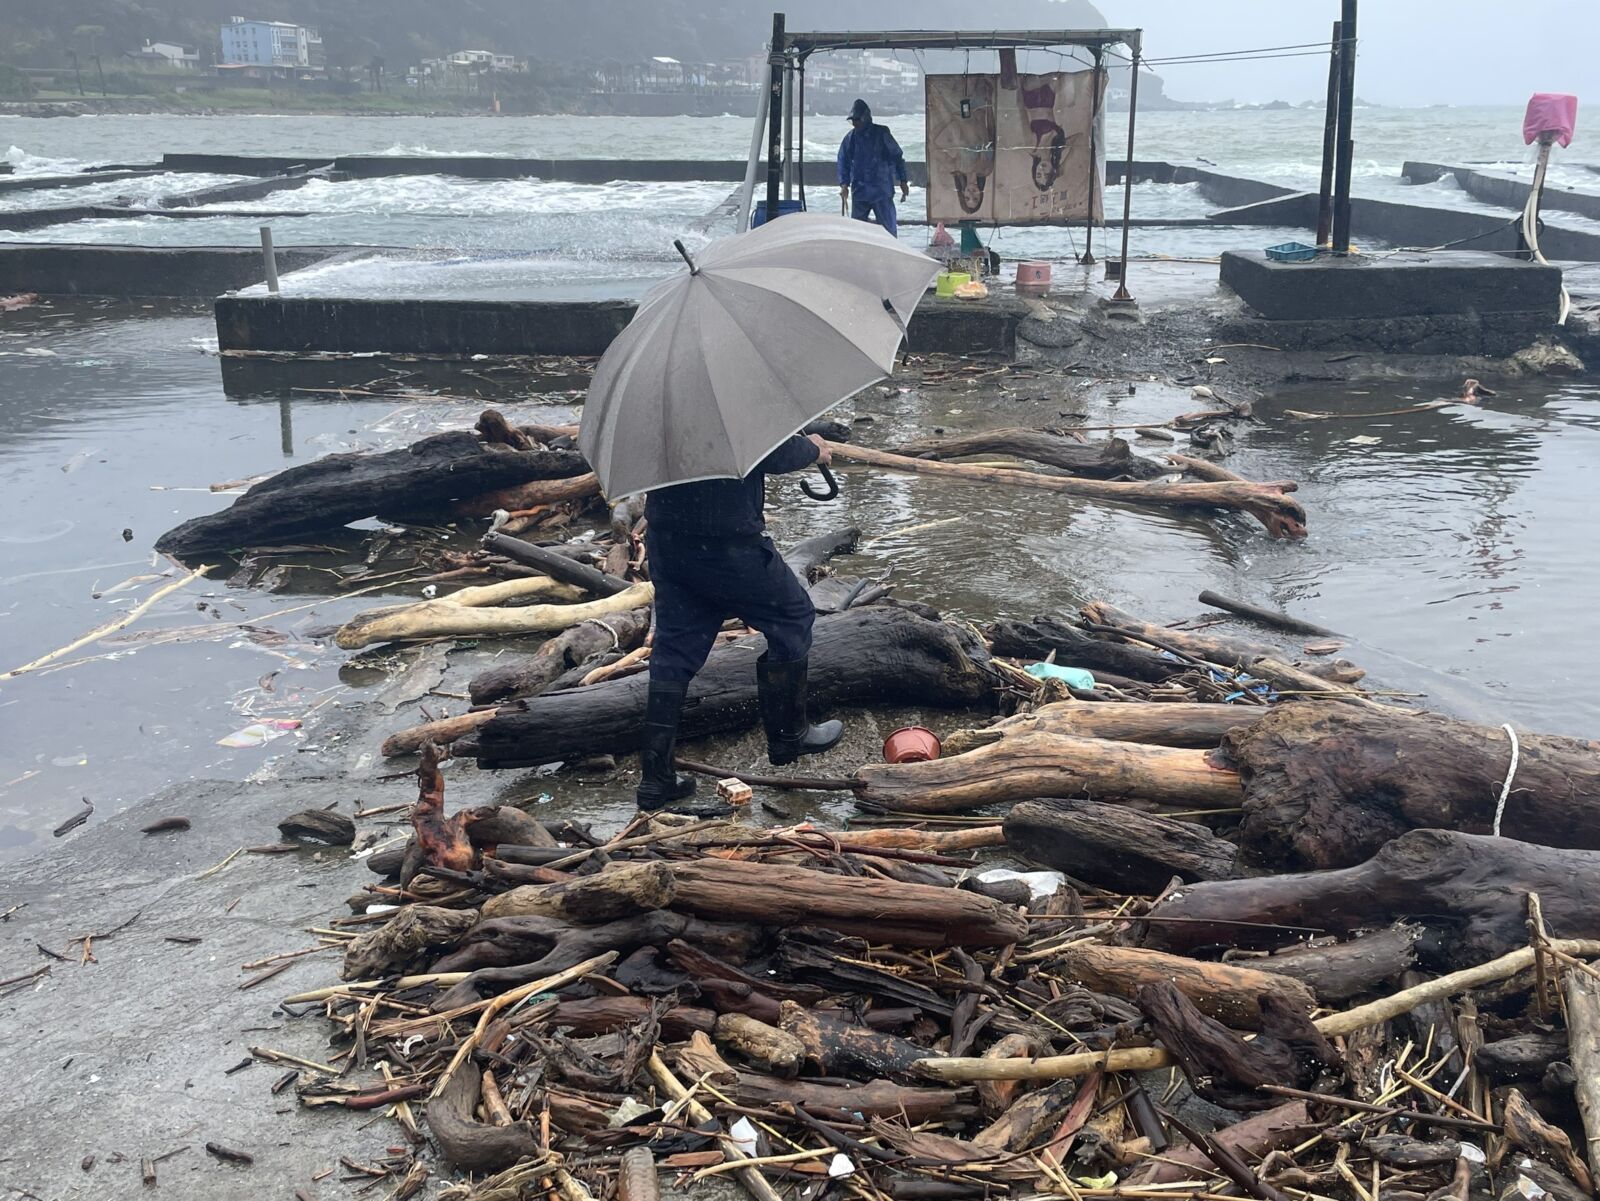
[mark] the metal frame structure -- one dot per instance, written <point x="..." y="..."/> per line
<point x="786" y="61"/>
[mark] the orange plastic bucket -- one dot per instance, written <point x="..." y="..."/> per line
<point x="911" y="744"/>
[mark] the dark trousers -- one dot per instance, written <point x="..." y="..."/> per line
<point x="871" y="206"/>
<point x="701" y="582"/>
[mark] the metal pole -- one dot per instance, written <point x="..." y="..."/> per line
<point x="747" y="190"/>
<point x="775" y="65"/>
<point x="1329" y="124"/>
<point x="269" y="259"/>
<point x="1094" y="166"/>
<point x="1122" y="292"/>
<point x="788" y="133"/>
<point x="1347" y="145"/>
<point x="286" y="426"/>
<point x="800" y="132"/>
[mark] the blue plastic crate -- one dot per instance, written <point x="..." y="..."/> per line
<point x="1291" y="252"/>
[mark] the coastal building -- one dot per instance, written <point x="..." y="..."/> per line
<point x="166" y="55"/>
<point x="272" y="44"/>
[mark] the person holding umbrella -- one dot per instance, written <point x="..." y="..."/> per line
<point x="695" y="403"/>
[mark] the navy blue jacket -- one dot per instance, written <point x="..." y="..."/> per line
<point x="725" y="508"/>
<point x="870" y="160"/>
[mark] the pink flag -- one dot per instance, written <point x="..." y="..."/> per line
<point x="1550" y="112"/>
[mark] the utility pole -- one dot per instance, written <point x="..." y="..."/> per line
<point x="77" y="74"/>
<point x="777" y="61"/>
<point x="1347" y="145"/>
<point x="1330" y="123"/>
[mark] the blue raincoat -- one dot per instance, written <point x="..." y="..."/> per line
<point x="870" y="164"/>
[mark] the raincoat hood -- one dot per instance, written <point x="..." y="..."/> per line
<point x="860" y="111"/>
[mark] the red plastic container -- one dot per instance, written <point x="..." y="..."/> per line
<point x="911" y="744"/>
<point x="1033" y="278"/>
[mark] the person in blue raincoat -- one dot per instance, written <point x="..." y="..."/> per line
<point x="870" y="164"/>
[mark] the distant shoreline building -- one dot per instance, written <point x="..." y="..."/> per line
<point x="253" y="48"/>
<point x="167" y="54"/>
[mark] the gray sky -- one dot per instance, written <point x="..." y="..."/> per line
<point x="1413" y="52"/>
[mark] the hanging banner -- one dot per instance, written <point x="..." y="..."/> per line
<point x="1016" y="149"/>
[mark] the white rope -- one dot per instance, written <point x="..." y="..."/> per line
<point x="616" y="645"/>
<point x="1505" y="788"/>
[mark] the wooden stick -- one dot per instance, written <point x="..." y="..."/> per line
<point x="1583" y="1037"/>
<point x="1268" y="503"/>
<point x="1140" y="1059"/>
<point x="443" y="732"/>
<point x="111" y="627"/>
<point x="750" y="1177"/>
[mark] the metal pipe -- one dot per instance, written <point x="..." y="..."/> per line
<point x="1122" y="292"/>
<point x="1346" y="143"/>
<point x="748" y="188"/>
<point x="800" y="135"/>
<point x="776" y="60"/>
<point x="788" y="133"/>
<point x="1094" y="166"/>
<point x="269" y="259"/>
<point x="1329" y="126"/>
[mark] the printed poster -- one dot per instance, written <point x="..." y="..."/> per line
<point x="1015" y="150"/>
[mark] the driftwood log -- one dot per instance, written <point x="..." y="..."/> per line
<point x="873" y="655"/>
<point x="469" y="1144"/>
<point x="1343" y="970"/>
<point x="1159" y="723"/>
<point x="1021" y="766"/>
<point x="911" y="915"/>
<point x="1074" y="647"/>
<point x="405" y="938"/>
<point x="1213" y="648"/>
<point x="475" y="618"/>
<point x="1268" y="503"/>
<point x="600" y="1015"/>
<point x="617" y="892"/>
<point x="1225" y="991"/>
<point x="1117" y="847"/>
<point x="338" y="489"/>
<point x="834" y="1047"/>
<point x="1224" y="1068"/>
<point x="1582" y="994"/>
<point x="1108" y="460"/>
<point x="553" y="563"/>
<point x="876" y="1098"/>
<point x="1327" y="785"/>
<point x="1472" y="888"/>
<point x="571" y="648"/>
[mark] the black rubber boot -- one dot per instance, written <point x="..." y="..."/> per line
<point x="660" y="786"/>
<point x="782" y="689"/>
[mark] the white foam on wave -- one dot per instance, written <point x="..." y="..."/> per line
<point x="23" y="163"/>
<point x="453" y="196"/>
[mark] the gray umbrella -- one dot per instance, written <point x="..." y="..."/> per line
<point x="766" y="331"/>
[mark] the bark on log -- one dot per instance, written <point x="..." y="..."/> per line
<point x="997" y="1096"/>
<point x="451" y="619"/>
<point x="1022" y="766"/>
<point x="570" y="648"/>
<point x="1267" y="617"/>
<point x="338" y="489"/>
<point x="1471" y="887"/>
<point x="1526" y="1129"/>
<point x="608" y="895"/>
<point x="552" y="563"/>
<point x="1348" y="969"/>
<point x="1108" y="460"/>
<point x="834" y="1047"/>
<point x="528" y="496"/>
<point x="469" y="1144"/>
<point x="396" y="944"/>
<point x="1213" y="648"/>
<point x="1582" y="993"/>
<point x="909" y="915"/>
<point x="1117" y="847"/>
<point x="864" y="656"/>
<point x="1521" y="1057"/>
<point x="601" y="1015"/>
<point x="1029" y="1118"/>
<point x="1268" y="503"/>
<point x="872" y="1099"/>
<point x="1158" y="723"/>
<point x="1036" y="639"/>
<point x="1224" y="991"/>
<point x="492" y="825"/>
<point x="636" y="1178"/>
<point x="807" y="555"/>
<point x="442" y="732"/>
<point x="1327" y="785"/>
<point x="768" y="1047"/>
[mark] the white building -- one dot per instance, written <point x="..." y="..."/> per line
<point x="267" y="43"/>
<point x="167" y="54"/>
<point x="477" y="61"/>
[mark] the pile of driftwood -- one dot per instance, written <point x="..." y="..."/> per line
<point x="870" y="1012"/>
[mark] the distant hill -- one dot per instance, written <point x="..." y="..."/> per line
<point x="40" y="32"/>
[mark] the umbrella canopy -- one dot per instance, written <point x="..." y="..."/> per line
<point x="768" y="330"/>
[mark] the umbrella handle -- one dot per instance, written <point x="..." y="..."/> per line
<point x="827" y="478"/>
